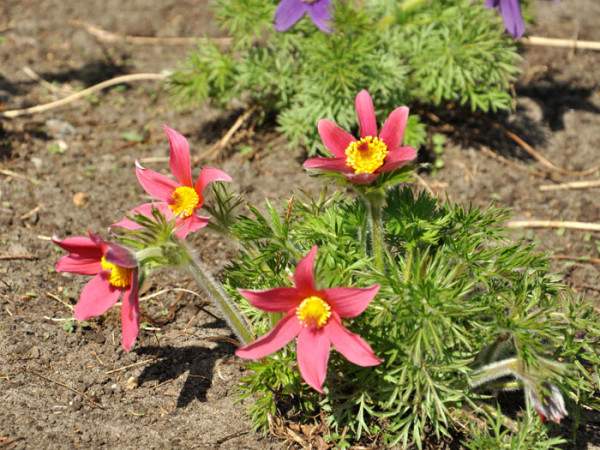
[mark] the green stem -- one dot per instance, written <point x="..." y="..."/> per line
<point x="216" y="293"/>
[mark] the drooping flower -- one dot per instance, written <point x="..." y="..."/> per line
<point x="362" y="160"/>
<point x="179" y="199"/>
<point x="289" y="12"/>
<point x="548" y="402"/>
<point x="314" y="316"/>
<point x="511" y="15"/>
<point x="115" y="271"/>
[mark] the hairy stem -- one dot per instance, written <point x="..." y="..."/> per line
<point x="216" y="293"/>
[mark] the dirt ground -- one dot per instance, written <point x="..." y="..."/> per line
<point x="64" y="385"/>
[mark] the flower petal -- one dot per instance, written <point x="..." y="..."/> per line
<point x="393" y="128"/>
<point x="84" y="257"/>
<point x="80" y="245"/>
<point x="350" y="302"/>
<point x="313" y="355"/>
<point x="366" y="114"/>
<point x="278" y="300"/>
<point x="144" y="210"/>
<point x="320" y="14"/>
<point x="331" y="164"/>
<point x="190" y="224"/>
<point x="286" y="330"/>
<point x="97" y="297"/>
<point x="179" y="161"/>
<point x="361" y="178"/>
<point x="207" y="176"/>
<point x="156" y="184"/>
<point x="289" y="12"/>
<point x="120" y="256"/>
<point x="350" y="345"/>
<point x="130" y="313"/>
<point x="397" y="158"/>
<point x="335" y="139"/>
<point x="511" y="14"/>
<point x="304" y="278"/>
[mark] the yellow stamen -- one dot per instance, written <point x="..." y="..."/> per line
<point x="313" y="312"/>
<point x="366" y="155"/>
<point x="119" y="276"/>
<point x="185" y="200"/>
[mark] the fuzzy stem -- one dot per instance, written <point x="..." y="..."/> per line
<point x="376" y="225"/>
<point x="216" y="293"/>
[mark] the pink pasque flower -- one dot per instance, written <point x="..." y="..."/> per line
<point x="115" y="271"/>
<point x="362" y="160"/>
<point x="314" y="316"/>
<point x="179" y="199"/>
<point x="548" y="402"/>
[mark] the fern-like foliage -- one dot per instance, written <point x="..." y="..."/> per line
<point x="453" y="288"/>
<point x="434" y="51"/>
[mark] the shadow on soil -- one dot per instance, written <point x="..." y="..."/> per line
<point x="172" y="362"/>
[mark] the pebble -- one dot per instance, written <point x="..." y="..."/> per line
<point x="59" y="129"/>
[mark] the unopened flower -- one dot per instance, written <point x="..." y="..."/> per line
<point x="115" y="271"/>
<point x="289" y="12"/>
<point x="179" y="198"/>
<point x="362" y="160"/>
<point x="511" y="15"/>
<point x="548" y="402"/>
<point x="314" y="316"/>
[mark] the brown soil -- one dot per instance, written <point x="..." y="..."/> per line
<point x="76" y="387"/>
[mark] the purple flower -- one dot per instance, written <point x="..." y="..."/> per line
<point x="291" y="11"/>
<point x="511" y="15"/>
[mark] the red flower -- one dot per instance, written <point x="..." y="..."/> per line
<point x="180" y="199"/>
<point x="115" y="271"/>
<point x="361" y="160"/>
<point x="314" y="316"/>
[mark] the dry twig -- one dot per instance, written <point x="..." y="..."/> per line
<point x="564" y="43"/>
<point x="553" y="224"/>
<point x="580" y="259"/>
<point x="107" y="36"/>
<point x="66" y="386"/>
<point x="529" y="149"/>
<point x="571" y="185"/>
<point x="71" y="98"/>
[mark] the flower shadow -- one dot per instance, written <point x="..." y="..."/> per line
<point x="173" y="362"/>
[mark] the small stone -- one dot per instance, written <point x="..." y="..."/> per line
<point x="80" y="199"/>
<point x="59" y="129"/>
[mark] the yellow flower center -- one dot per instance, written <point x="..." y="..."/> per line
<point x="313" y="312"/>
<point x="119" y="276"/>
<point x="366" y="155"/>
<point x="185" y="200"/>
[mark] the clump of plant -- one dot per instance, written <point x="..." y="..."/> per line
<point x="392" y="318"/>
<point x="317" y="54"/>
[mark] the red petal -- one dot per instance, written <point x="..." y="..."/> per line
<point x="313" y="354"/>
<point x="393" y="128"/>
<point x="366" y="114"/>
<point x="130" y="313"/>
<point x="77" y="264"/>
<point x="144" y="210"/>
<point x="97" y="297"/>
<point x="361" y="178"/>
<point x="335" y="139"/>
<point x="179" y="161"/>
<point x="304" y="278"/>
<point x="350" y="302"/>
<point x="207" y="176"/>
<point x="331" y="164"/>
<point x="352" y="346"/>
<point x="286" y="330"/>
<point x="397" y="158"/>
<point x="156" y="184"/>
<point x="278" y="300"/>
<point x="81" y="245"/>
<point x="190" y="224"/>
